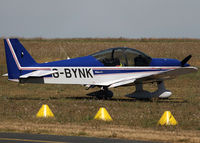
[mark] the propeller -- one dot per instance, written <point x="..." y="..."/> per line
<point x="185" y="60"/>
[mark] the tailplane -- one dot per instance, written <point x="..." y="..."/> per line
<point x="17" y="58"/>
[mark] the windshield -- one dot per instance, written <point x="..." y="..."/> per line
<point x="122" y="57"/>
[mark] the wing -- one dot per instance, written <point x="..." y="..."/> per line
<point x="163" y="75"/>
<point x="38" y="73"/>
<point x="170" y="74"/>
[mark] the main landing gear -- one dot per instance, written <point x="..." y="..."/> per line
<point x="104" y="93"/>
<point x="139" y="93"/>
<point x="161" y="92"/>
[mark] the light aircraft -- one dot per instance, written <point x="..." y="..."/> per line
<point x="105" y="69"/>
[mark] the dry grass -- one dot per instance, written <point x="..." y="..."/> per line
<point x="74" y="111"/>
<point x="112" y="131"/>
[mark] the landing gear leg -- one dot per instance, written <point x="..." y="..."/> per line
<point x="140" y="93"/>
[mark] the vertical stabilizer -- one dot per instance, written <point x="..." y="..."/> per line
<point x="17" y="58"/>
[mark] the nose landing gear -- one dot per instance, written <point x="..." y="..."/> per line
<point x="140" y="93"/>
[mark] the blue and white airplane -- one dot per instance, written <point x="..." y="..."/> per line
<point x="105" y="69"/>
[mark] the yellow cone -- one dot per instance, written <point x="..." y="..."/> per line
<point x="167" y="119"/>
<point x="102" y="114"/>
<point x="45" y="111"/>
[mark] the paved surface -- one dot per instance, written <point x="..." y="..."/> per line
<point x="30" y="138"/>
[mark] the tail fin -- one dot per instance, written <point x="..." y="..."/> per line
<point x="17" y="57"/>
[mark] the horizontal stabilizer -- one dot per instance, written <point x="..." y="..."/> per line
<point x="38" y="73"/>
<point x="6" y="74"/>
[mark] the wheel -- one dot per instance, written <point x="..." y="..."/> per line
<point x="108" y="94"/>
<point x="104" y="94"/>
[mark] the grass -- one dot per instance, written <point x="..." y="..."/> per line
<point x="74" y="111"/>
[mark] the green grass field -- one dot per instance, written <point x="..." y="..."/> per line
<point x="73" y="109"/>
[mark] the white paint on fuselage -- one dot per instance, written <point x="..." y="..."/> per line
<point x="86" y="75"/>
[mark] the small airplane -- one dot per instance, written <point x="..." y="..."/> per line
<point x="106" y="69"/>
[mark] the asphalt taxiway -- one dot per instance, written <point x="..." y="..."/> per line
<point x="38" y="138"/>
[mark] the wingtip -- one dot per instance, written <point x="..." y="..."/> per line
<point x="195" y="69"/>
<point x="5" y="75"/>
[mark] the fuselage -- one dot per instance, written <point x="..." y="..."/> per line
<point x="88" y="70"/>
<point x="100" y="68"/>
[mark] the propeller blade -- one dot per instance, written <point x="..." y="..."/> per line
<point x="185" y="60"/>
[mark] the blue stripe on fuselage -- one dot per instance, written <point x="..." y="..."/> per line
<point x="161" y="62"/>
<point x="87" y="61"/>
<point x="105" y="71"/>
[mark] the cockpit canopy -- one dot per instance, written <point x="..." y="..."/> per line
<point x="122" y="56"/>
